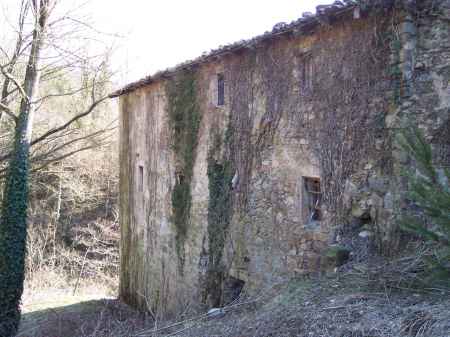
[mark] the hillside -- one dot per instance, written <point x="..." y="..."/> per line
<point x="355" y="302"/>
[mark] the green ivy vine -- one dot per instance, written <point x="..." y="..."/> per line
<point x="184" y="117"/>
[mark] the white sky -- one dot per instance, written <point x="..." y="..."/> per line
<point x="157" y="34"/>
<point x="162" y="33"/>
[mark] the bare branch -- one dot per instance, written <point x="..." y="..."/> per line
<point x="15" y="82"/>
<point x="41" y="146"/>
<point x="53" y="160"/>
<point x="64" y="156"/>
<point x="92" y="28"/>
<point x="70" y="93"/>
<point x="66" y="125"/>
<point x="61" y="127"/>
<point x="42" y="156"/>
<point x="8" y="111"/>
<point x="12" y="62"/>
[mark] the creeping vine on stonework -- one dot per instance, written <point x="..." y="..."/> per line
<point x="341" y="115"/>
<point x="237" y="152"/>
<point x="277" y="82"/>
<point x="220" y="175"/>
<point x="347" y="125"/>
<point x="261" y="76"/>
<point x="348" y="122"/>
<point x="185" y="117"/>
<point x="395" y="71"/>
<point x="242" y="90"/>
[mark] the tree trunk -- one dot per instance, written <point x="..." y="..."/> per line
<point x="13" y="222"/>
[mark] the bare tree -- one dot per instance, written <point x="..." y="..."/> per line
<point x="38" y="57"/>
<point x="65" y="59"/>
<point x="14" y="207"/>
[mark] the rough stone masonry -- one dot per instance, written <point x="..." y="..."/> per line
<point x="249" y="165"/>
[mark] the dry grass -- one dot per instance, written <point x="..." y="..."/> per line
<point x="72" y="271"/>
<point x="69" y="292"/>
<point x="350" y="303"/>
<point x="72" y="259"/>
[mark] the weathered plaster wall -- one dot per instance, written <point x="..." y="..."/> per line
<point x="371" y="75"/>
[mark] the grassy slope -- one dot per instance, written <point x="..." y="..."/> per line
<point x="341" y="305"/>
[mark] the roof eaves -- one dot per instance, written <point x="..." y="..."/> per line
<point x="308" y="19"/>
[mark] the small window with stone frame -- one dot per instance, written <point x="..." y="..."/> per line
<point x="306" y="73"/>
<point x="312" y="199"/>
<point x="220" y="90"/>
<point x="141" y="178"/>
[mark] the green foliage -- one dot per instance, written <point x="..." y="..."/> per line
<point x="429" y="190"/>
<point x="184" y="116"/>
<point x="219" y="207"/>
<point x="181" y="205"/>
<point x="220" y="176"/>
<point x="13" y="232"/>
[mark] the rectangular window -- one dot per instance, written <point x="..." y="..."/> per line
<point x="441" y="155"/>
<point x="312" y="199"/>
<point x="306" y="73"/>
<point x="141" y="178"/>
<point x="220" y="90"/>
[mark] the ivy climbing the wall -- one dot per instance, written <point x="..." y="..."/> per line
<point x="220" y="175"/>
<point x="184" y="116"/>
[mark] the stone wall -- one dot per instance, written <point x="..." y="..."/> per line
<point x="418" y="95"/>
<point x="324" y="104"/>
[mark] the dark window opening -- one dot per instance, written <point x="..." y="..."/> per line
<point x="220" y="90"/>
<point x="306" y="73"/>
<point x="441" y="155"/>
<point x="180" y="178"/>
<point x="312" y="199"/>
<point x="141" y="178"/>
<point x="232" y="288"/>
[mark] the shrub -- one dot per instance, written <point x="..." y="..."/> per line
<point x="429" y="191"/>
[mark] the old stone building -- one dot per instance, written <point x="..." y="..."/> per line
<point x="248" y="165"/>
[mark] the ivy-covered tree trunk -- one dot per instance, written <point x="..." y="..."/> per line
<point x="13" y="222"/>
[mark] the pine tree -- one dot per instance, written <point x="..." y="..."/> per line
<point x="429" y="191"/>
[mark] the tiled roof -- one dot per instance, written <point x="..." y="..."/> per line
<point x="307" y="21"/>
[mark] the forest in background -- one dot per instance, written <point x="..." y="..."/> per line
<point x="73" y="234"/>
